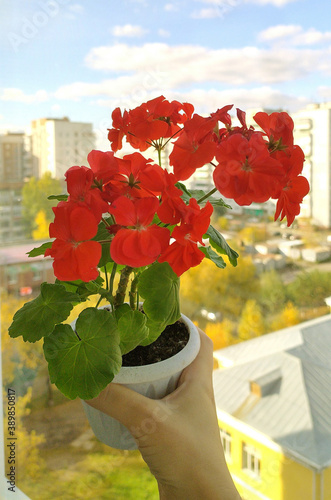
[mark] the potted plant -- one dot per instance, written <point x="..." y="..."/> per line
<point x="134" y="217"/>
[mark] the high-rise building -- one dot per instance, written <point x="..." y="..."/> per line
<point x="58" y="144"/>
<point x="313" y="133"/>
<point x="14" y="167"/>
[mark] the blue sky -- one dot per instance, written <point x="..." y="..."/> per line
<point x="83" y="58"/>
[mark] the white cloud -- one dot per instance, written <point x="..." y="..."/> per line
<point x="206" y="101"/>
<point x="170" y="7"/>
<point x="276" y="3"/>
<point x="128" y="30"/>
<point x="17" y="95"/>
<point x="164" y="33"/>
<point x="324" y="92"/>
<point x="293" y="35"/>
<point x="185" y="65"/>
<point x="77" y="8"/>
<point x="206" y="13"/>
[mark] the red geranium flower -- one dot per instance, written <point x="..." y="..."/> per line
<point x="75" y="258"/>
<point x="103" y="164"/>
<point x="288" y="204"/>
<point x="278" y="127"/>
<point x="172" y="206"/>
<point x="139" y="244"/>
<point x="119" y="130"/>
<point x="184" y="253"/>
<point x="136" y="178"/>
<point x="81" y="190"/>
<point x="246" y="172"/>
<point x="194" y="148"/>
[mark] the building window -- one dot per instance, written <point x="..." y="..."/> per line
<point x="226" y="443"/>
<point x="12" y="274"/>
<point x="37" y="272"/>
<point x="251" y="460"/>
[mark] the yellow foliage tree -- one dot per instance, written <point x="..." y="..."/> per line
<point x="41" y="232"/>
<point x="29" y="460"/>
<point x="252" y="234"/>
<point x="221" y="333"/>
<point x="218" y="290"/>
<point x="251" y="322"/>
<point x="223" y="222"/>
<point x="289" y="316"/>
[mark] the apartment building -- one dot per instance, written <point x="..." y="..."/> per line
<point x="313" y="133"/>
<point x="14" y="168"/>
<point x="58" y="143"/>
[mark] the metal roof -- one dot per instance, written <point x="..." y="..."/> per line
<point x="295" y="410"/>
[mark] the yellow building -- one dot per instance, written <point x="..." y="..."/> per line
<point x="273" y="398"/>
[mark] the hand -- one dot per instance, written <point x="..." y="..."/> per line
<point x="178" y="436"/>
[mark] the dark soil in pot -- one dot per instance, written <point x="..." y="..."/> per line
<point x="172" y="340"/>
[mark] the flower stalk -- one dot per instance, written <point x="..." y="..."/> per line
<point x="122" y="286"/>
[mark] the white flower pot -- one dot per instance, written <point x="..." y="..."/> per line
<point x="154" y="381"/>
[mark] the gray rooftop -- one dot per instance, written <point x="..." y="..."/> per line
<point x="292" y="370"/>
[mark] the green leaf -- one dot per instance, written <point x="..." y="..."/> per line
<point x="213" y="256"/>
<point x="219" y="243"/>
<point x="159" y="286"/>
<point x="59" y="197"/>
<point x="82" y="364"/>
<point x="198" y="194"/>
<point x="37" y="318"/>
<point x="103" y="235"/>
<point x="133" y="330"/>
<point x="39" y="250"/>
<point x="219" y="202"/>
<point x="154" y="331"/>
<point x="82" y="288"/>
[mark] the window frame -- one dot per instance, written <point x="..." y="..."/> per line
<point x="226" y="439"/>
<point x="251" y="460"/>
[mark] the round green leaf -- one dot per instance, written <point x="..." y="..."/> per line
<point x="159" y="286"/>
<point x="37" y="318"/>
<point x="133" y="330"/>
<point x="83" y="362"/>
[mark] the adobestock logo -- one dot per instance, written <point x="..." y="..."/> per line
<point x="30" y="27"/>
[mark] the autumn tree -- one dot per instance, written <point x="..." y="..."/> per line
<point x="34" y="200"/>
<point x="219" y="290"/>
<point x="251" y="322"/>
<point x="41" y="232"/>
<point x="252" y="234"/>
<point x="221" y="333"/>
<point x="289" y="316"/>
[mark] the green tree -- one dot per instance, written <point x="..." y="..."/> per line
<point x="273" y="295"/>
<point x="34" y="200"/>
<point x="309" y="289"/>
<point x="251" y="322"/>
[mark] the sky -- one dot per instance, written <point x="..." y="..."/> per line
<point x="82" y="59"/>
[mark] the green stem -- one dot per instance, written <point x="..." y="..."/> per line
<point x="207" y="195"/>
<point x="106" y="276"/>
<point x="133" y="291"/>
<point x="159" y="156"/>
<point x="112" y="277"/>
<point x="122" y="286"/>
<point x="173" y="135"/>
<point x="100" y="299"/>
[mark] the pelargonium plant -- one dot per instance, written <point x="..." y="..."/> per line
<point x="133" y="216"/>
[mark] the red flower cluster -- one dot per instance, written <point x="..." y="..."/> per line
<point x="140" y="203"/>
